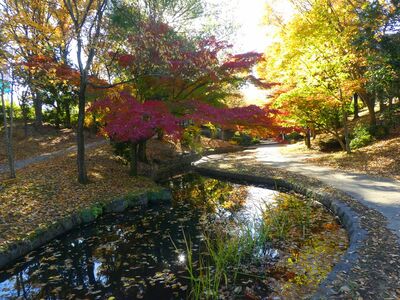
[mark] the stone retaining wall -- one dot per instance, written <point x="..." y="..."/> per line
<point x="42" y="236"/>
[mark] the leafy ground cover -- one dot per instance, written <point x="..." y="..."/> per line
<point x="381" y="158"/>
<point x="45" y="192"/>
<point x="46" y="141"/>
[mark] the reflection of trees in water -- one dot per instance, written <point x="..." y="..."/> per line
<point x="207" y="193"/>
<point x="48" y="271"/>
<point x="105" y="258"/>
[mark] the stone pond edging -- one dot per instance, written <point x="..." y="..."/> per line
<point x="358" y="264"/>
<point x="370" y="268"/>
<point x="183" y="163"/>
<point x="42" y="236"/>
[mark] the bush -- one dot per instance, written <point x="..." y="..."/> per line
<point x="329" y="145"/>
<point x="121" y="149"/>
<point x="391" y="120"/>
<point x="244" y="139"/>
<point x="293" y="136"/>
<point x="361" y="137"/>
<point x="17" y="110"/>
<point x="191" y="138"/>
<point x="379" y="131"/>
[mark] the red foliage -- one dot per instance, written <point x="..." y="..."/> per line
<point x="125" y="60"/>
<point x="49" y="70"/>
<point x="125" y="119"/>
<point x="261" y="120"/>
<point x="242" y="61"/>
<point x="180" y="64"/>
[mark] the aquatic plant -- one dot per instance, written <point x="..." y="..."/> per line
<point x="227" y="249"/>
<point x="288" y="215"/>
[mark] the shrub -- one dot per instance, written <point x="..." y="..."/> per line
<point x="329" y="145"/>
<point x="390" y="118"/>
<point x="191" y="138"/>
<point x="293" y="136"/>
<point x="244" y="139"/>
<point x="121" y="149"/>
<point x="17" y="110"/>
<point x="379" y="131"/>
<point x="361" y="136"/>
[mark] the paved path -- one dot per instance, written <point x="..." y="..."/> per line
<point x="380" y="194"/>
<point x="19" y="164"/>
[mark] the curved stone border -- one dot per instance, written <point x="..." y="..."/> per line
<point x="184" y="163"/>
<point x="45" y="234"/>
<point x="346" y="279"/>
<point x="42" y="236"/>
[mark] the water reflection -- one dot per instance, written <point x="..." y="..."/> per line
<point x="131" y="255"/>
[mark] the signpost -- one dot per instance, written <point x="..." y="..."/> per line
<point x="7" y="88"/>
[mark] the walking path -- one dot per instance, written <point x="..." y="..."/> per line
<point x="19" y="164"/>
<point x="377" y="193"/>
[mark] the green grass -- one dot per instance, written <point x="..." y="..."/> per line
<point x="225" y="252"/>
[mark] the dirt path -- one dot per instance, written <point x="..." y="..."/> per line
<point x="20" y="164"/>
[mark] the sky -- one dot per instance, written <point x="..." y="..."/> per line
<point x="253" y="35"/>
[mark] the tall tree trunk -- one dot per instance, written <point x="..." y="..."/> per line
<point x="82" y="173"/>
<point x="313" y="131"/>
<point x="94" y="23"/>
<point x="24" y="110"/>
<point x="8" y="131"/>
<point x="11" y="151"/>
<point x="58" y="115"/>
<point x="67" y="122"/>
<point x="372" y="114"/>
<point x="382" y="106"/>
<point x="355" y="106"/>
<point x="133" y="159"/>
<point x="25" y="117"/>
<point x="142" y="152"/>
<point x="346" y="131"/>
<point x="369" y="101"/>
<point x="23" y="103"/>
<point x="390" y="105"/>
<point x="37" y="103"/>
<point x="307" y="138"/>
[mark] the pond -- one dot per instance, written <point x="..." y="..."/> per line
<point x="215" y="240"/>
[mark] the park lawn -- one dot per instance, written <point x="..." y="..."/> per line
<point x="48" y="140"/>
<point x="381" y="159"/>
<point x="48" y="191"/>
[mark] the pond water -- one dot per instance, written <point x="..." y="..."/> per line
<point x="142" y="253"/>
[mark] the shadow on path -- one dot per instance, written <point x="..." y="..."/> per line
<point x="20" y="164"/>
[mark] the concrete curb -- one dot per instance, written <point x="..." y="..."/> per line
<point x="183" y="164"/>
